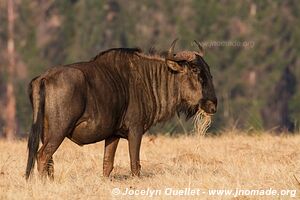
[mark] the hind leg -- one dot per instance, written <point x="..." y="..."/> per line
<point x="64" y="104"/>
<point x="51" y="140"/>
<point x="45" y="162"/>
<point x="50" y="168"/>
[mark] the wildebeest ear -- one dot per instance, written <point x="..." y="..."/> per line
<point x="174" y="66"/>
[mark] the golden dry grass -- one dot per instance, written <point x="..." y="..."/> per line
<point x="226" y="162"/>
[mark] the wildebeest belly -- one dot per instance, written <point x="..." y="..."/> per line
<point x="106" y="101"/>
<point x="88" y="131"/>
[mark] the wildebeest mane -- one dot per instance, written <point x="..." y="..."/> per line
<point x="128" y="51"/>
<point x="152" y="53"/>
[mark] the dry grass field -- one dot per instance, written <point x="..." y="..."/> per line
<point x="232" y="161"/>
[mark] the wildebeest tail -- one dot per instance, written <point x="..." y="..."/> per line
<point x="36" y="128"/>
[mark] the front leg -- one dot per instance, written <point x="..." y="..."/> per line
<point x="109" y="155"/>
<point x="134" y="141"/>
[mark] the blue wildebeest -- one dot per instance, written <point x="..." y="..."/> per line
<point x="120" y="93"/>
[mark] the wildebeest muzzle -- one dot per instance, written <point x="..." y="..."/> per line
<point x="209" y="106"/>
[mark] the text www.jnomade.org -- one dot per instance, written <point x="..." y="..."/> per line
<point x="199" y="192"/>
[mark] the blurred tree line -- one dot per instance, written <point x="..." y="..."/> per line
<point x="251" y="47"/>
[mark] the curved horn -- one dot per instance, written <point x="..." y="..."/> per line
<point x="171" y="50"/>
<point x="201" y="49"/>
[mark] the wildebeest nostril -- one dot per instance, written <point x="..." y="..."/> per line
<point x="211" y="107"/>
<point x="208" y="106"/>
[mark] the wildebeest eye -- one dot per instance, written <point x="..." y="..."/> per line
<point x="195" y="70"/>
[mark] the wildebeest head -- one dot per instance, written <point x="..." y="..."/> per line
<point x="196" y="86"/>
